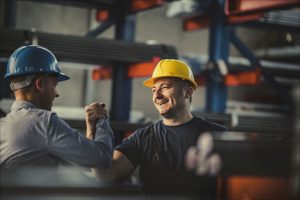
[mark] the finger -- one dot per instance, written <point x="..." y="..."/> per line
<point x="202" y="167"/>
<point x="205" y="144"/>
<point x="94" y="105"/>
<point x="191" y="158"/>
<point x="215" y="164"/>
<point x="102" y="104"/>
<point x="92" y="115"/>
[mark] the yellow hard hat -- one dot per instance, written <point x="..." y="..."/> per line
<point x="171" y="68"/>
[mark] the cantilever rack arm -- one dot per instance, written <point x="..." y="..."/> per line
<point x="82" y="49"/>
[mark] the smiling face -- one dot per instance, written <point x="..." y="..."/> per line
<point x="169" y="97"/>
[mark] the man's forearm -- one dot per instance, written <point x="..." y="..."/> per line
<point x="104" y="175"/>
<point x="121" y="167"/>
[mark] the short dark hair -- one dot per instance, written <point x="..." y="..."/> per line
<point x="183" y="83"/>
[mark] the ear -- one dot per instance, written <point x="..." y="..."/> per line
<point x="189" y="91"/>
<point x="39" y="84"/>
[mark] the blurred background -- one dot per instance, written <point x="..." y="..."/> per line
<point x="245" y="55"/>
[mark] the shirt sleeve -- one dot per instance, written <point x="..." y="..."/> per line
<point x="70" y="145"/>
<point x="216" y="127"/>
<point x="131" y="148"/>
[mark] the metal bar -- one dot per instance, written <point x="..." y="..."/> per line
<point x="104" y="4"/>
<point x="250" y="6"/>
<point x="216" y="91"/>
<point x="256" y="63"/>
<point x="296" y="141"/>
<point x="244" y="50"/>
<point x="101" y="28"/>
<point x="10" y="9"/>
<point x="121" y="91"/>
<point x="85" y="50"/>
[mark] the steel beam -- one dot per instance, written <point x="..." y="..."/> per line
<point x="121" y="91"/>
<point x="239" y="7"/>
<point x="256" y="63"/>
<point x="83" y="49"/>
<point x="216" y="91"/>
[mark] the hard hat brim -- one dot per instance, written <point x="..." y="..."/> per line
<point x="150" y="82"/>
<point x="62" y="77"/>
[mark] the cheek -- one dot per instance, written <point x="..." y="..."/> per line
<point x="175" y="98"/>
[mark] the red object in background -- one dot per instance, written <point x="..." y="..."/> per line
<point x="239" y="11"/>
<point x="203" y="21"/>
<point x="243" y="78"/>
<point x="195" y="22"/>
<point x="240" y="7"/>
<point x="253" y="187"/>
<point x="139" y="5"/>
<point x="102" y="15"/>
<point x="200" y="79"/>
<point x="232" y="19"/>
<point x="135" y="70"/>
<point x="101" y="73"/>
<point x="142" y="69"/>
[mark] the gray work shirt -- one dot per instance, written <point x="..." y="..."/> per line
<point x="30" y="136"/>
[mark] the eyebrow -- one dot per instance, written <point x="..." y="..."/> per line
<point x="165" y="84"/>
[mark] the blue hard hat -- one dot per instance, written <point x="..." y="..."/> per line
<point x="33" y="59"/>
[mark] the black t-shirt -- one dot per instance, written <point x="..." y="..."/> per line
<point x="160" y="151"/>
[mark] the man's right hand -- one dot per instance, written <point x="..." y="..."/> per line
<point x="93" y="112"/>
<point x="200" y="158"/>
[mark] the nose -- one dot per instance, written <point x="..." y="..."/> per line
<point x="157" y="94"/>
<point x="56" y="93"/>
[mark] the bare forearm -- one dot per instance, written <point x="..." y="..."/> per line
<point x="104" y="175"/>
<point x="121" y="167"/>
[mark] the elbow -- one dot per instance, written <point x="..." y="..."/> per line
<point x="104" y="175"/>
<point x="105" y="161"/>
<point x="108" y="162"/>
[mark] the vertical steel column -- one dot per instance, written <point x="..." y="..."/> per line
<point x="10" y="10"/>
<point x="121" y="85"/>
<point x="216" y="91"/>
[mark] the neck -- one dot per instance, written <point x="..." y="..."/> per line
<point x="20" y="96"/>
<point x="180" y="118"/>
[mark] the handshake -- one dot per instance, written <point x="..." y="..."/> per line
<point x="94" y="112"/>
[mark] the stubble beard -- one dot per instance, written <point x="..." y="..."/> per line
<point x="172" y="113"/>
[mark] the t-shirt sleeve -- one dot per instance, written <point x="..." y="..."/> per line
<point x="131" y="147"/>
<point x="217" y="127"/>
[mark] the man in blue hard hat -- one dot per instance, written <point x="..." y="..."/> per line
<point x="31" y="134"/>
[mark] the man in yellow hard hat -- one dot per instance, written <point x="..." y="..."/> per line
<point x="160" y="149"/>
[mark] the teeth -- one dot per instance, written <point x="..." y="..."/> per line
<point x="161" y="103"/>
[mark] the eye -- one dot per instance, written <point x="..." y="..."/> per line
<point x="153" y="90"/>
<point x="165" y="87"/>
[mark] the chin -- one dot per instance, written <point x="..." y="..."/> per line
<point x="165" y="115"/>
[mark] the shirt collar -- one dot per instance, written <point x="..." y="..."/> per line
<point x="22" y="104"/>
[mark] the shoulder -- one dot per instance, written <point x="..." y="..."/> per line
<point x="44" y="114"/>
<point x="212" y="126"/>
<point x="48" y="118"/>
<point x="142" y="132"/>
<point x="145" y="132"/>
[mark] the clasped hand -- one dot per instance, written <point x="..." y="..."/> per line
<point x="93" y="112"/>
